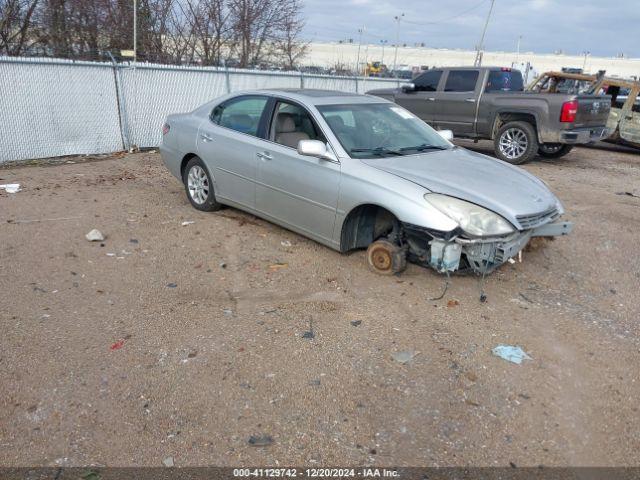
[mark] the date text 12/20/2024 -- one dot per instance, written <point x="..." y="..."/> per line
<point x="316" y="472"/>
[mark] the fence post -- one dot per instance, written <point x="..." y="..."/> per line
<point x="227" y="78"/>
<point x="356" y="79"/>
<point x="301" y="79"/>
<point x="122" y="116"/>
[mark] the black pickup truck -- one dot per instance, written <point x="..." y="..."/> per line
<point x="490" y="103"/>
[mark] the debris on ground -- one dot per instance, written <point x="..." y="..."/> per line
<point x="278" y="266"/>
<point x="628" y="194"/>
<point x="260" y="440"/>
<point x="168" y="462"/>
<point x="356" y="323"/>
<point x="511" y="353"/>
<point x="404" y="357"/>
<point x="95" y="235"/>
<point x="315" y="382"/>
<point x="285" y="243"/>
<point x="10" y="187"/>
<point x="308" y="335"/>
<point x="223" y="265"/>
<point x="188" y="222"/>
<point x="172" y="285"/>
<point x="452" y="303"/>
<point x="118" y="345"/>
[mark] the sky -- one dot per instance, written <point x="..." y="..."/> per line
<point x="600" y="27"/>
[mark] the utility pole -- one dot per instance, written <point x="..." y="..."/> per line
<point x="360" y="31"/>
<point x="480" y="47"/>
<point x="518" y="50"/>
<point x="397" y="18"/>
<point x="584" y="63"/>
<point x="383" y="43"/>
<point x="135" y="30"/>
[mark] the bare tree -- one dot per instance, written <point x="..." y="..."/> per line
<point x="289" y="47"/>
<point x="209" y="21"/>
<point x="16" y="17"/>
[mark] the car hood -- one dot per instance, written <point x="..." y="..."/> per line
<point x="485" y="181"/>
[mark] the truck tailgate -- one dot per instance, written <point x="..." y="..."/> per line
<point x="593" y="111"/>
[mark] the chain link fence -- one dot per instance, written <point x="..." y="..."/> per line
<point x="51" y="107"/>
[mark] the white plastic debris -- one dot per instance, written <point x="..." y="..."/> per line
<point x="95" y="236"/>
<point x="285" y="243"/>
<point x="404" y="357"/>
<point x="11" y="187"/>
<point x="511" y="353"/>
<point x="188" y="222"/>
<point x="168" y="462"/>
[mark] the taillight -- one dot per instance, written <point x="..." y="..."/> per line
<point x="568" y="112"/>
<point x="165" y="128"/>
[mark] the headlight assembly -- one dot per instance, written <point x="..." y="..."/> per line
<point x="472" y="218"/>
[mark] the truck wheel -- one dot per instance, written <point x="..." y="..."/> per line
<point x="516" y="142"/>
<point x="199" y="187"/>
<point x="554" y="150"/>
<point x="385" y="258"/>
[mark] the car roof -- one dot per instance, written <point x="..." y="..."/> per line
<point x="321" y="97"/>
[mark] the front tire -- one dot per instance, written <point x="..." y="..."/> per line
<point x="516" y="142"/>
<point x="554" y="150"/>
<point x="199" y="186"/>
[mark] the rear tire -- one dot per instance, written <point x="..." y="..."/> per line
<point x="385" y="258"/>
<point x="516" y="142"/>
<point x="554" y="150"/>
<point x="199" y="186"/>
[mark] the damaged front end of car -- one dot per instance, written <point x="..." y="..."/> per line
<point x="469" y="248"/>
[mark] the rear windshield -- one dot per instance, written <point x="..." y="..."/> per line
<point x="504" y="81"/>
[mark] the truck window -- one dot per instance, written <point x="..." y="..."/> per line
<point x="461" y="81"/>
<point x="504" y="81"/>
<point x="428" y="81"/>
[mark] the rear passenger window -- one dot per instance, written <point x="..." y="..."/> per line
<point x="428" y="81"/>
<point x="240" y="114"/>
<point x="461" y="81"/>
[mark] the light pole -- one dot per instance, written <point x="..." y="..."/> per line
<point x="135" y="30"/>
<point x="383" y="43"/>
<point x="360" y="31"/>
<point x="397" y="18"/>
<point x="584" y="63"/>
<point x="518" y="50"/>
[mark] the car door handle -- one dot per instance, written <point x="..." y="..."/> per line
<point x="264" y="155"/>
<point x="470" y="100"/>
<point x="206" y="137"/>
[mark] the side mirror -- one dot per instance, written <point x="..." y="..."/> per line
<point x="446" y="134"/>
<point x="408" y="88"/>
<point x="315" y="148"/>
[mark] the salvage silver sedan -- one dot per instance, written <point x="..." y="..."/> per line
<point x="355" y="171"/>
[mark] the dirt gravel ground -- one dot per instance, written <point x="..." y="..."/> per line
<point x="185" y="341"/>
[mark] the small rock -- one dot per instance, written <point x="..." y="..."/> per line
<point x="452" y="303"/>
<point x="188" y="222"/>
<point x="172" y="285"/>
<point x="308" y="335"/>
<point x="223" y="265"/>
<point x="285" y="243"/>
<point x="134" y="241"/>
<point x="260" y="441"/>
<point x="356" y="323"/>
<point x="315" y="382"/>
<point x="95" y="236"/>
<point x="404" y="357"/>
<point x="168" y="462"/>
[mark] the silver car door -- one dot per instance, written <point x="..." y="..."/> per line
<point x="299" y="191"/>
<point x="227" y="143"/>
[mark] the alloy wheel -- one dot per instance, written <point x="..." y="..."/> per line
<point x="198" y="184"/>
<point x="513" y="143"/>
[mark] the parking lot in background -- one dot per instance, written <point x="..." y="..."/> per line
<point x="184" y="335"/>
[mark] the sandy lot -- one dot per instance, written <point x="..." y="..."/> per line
<point x="185" y="341"/>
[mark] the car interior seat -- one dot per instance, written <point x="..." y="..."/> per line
<point x="286" y="131"/>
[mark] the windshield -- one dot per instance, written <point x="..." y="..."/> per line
<point x="368" y="130"/>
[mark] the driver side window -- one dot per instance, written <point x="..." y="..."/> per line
<point x="292" y="123"/>
<point x="428" y="81"/>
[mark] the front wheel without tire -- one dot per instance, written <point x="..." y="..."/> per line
<point x="554" y="150"/>
<point x="516" y="142"/>
<point x="199" y="187"/>
<point x="385" y="258"/>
